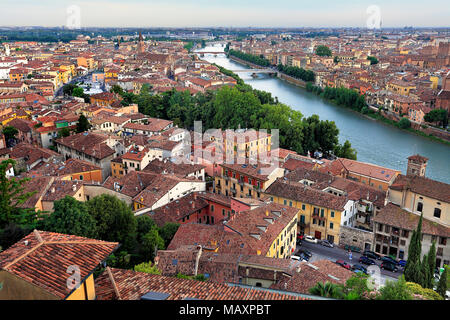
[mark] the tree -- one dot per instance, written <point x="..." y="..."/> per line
<point x="147" y="267"/>
<point x="168" y="231"/>
<point x="78" y="92"/>
<point x="412" y="268"/>
<point x="144" y="225"/>
<point x="356" y="287"/>
<point x="11" y="234"/>
<point x="437" y="115"/>
<point x="404" y="123"/>
<point x="64" y="132"/>
<point x="442" y="284"/>
<point x="151" y="242"/>
<point x="327" y="289"/>
<point x="114" y="219"/>
<point x="323" y="51"/>
<point x="345" y="151"/>
<point x="373" y="60"/>
<point x="71" y="217"/>
<point x="395" y="290"/>
<point x="425" y="272"/>
<point x="9" y="132"/>
<point x="82" y="124"/>
<point x="12" y="196"/>
<point x="431" y="265"/>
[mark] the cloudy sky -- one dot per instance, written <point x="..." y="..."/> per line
<point x="220" y="13"/>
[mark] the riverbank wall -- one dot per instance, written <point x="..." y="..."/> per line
<point x="251" y="65"/>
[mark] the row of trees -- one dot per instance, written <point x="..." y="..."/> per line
<point x="296" y="72"/>
<point x="245" y="107"/>
<point x="421" y="271"/>
<point x="259" y="60"/>
<point x="73" y="90"/>
<point x="439" y="116"/>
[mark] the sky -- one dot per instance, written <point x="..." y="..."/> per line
<point x="220" y="13"/>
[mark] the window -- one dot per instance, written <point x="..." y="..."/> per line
<point x="223" y="212"/>
<point x="290" y="203"/>
<point x="212" y="208"/>
<point x="443" y="241"/>
<point x="332" y="214"/>
<point x="380" y="227"/>
<point x="420" y="206"/>
<point x="405" y="233"/>
<point x="321" y="212"/>
<point x="285" y="202"/>
<point x="387" y="229"/>
<point x="437" y="212"/>
<point x="303" y="207"/>
<point x="331" y="225"/>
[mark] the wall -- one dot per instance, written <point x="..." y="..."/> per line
<point x="349" y="234"/>
<point x="14" y="288"/>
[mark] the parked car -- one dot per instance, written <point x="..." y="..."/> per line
<point x="327" y="243"/>
<point x="371" y="254"/>
<point x="344" y="264"/>
<point x="310" y="239"/>
<point x="306" y="252"/>
<point x="304" y="257"/>
<point x="296" y="258"/>
<point x="359" y="268"/>
<point x="366" y="260"/>
<point x="389" y="259"/>
<point x="402" y="263"/>
<point x="389" y="266"/>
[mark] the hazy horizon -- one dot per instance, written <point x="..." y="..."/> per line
<point x="224" y="14"/>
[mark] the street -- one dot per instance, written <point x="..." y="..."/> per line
<point x="320" y="252"/>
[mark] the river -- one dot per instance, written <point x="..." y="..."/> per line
<point x="374" y="142"/>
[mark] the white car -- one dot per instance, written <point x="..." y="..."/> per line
<point x="296" y="258"/>
<point x="310" y="239"/>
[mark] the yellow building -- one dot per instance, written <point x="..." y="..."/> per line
<point x="246" y="180"/>
<point x="320" y="213"/>
<point x="400" y="87"/>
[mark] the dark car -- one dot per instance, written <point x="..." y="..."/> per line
<point x="366" y="260"/>
<point x="299" y="242"/>
<point x="359" y="268"/>
<point x="344" y="264"/>
<point x="372" y="255"/>
<point x="303" y="256"/>
<point x="389" y="266"/>
<point x="389" y="259"/>
<point x="306" y="252"/>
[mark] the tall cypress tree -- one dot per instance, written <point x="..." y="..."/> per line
<point x="431" y="264"/>
<point x="442" y="285"/>
<point x="424" y="278"/>
<point x="413" y="266"/>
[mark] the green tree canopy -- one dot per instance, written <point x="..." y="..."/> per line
<point x="82" y="124"/>
<point x="323" y="50"/>
<point x="9" y="132"/>
<point x="12" y="196"/>
<point x="168" y="231"/>
<point x="395" y="290"/>
<point x="114" y="219"/>
<point x="151" y="242"/>
<point x="71" y="217"/>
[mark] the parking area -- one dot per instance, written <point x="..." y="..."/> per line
<point x="320" y="252"/>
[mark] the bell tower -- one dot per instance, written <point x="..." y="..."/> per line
<point x="417" y="165"/>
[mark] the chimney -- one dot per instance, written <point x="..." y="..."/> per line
<point x="193" y="204"/>
<point x="53" y="190"/>
<point x="74" y="187"/>
<point x="197" y="259"/>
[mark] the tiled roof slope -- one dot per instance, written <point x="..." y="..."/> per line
<point x="133" y="285"/>
<point x="395" y="216"/>
<point x="424" y="186"/>
<point x="42" y="258"/>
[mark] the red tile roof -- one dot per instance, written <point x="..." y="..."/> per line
<point x="133" y="285"/>
<point x="42" y="258"/>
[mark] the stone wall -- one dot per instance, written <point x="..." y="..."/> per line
<point x="356" y="238"/>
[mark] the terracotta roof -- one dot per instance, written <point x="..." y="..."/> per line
<point x="133" y="285"/>
<point x="308" y="274"/>
<point x="369" y="170"/>
<point x="42" y="258"/>
<point x="300" y="192"/>
<point x="89" y="143"/>
<point x="181" y="169"/>
<point x="395" y="216"/>
<point x="424" y="186"/>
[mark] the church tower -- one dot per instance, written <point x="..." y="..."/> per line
<point x="417" y="165"/>
<point x="141" y="46"/>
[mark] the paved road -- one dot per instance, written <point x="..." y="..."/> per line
<point x="321" y="252"/>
